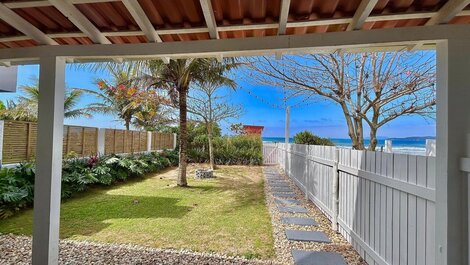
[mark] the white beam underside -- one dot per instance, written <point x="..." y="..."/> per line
<point x="24" y="26"/>
<point x="142" y="20"/>
<point x="362" y="12"/>
<point x="283" y="16"/>
<point x="320" y="22"/>
<point x="80" y="21"/>
<point x="447" y="12"/>
<point x="209" y="17"/>
<point x="246" y="47"/>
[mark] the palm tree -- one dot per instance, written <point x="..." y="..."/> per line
<point x="176" y="78"/>
<point x="27" y="105"/>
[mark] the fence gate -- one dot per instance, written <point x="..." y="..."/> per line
<point x="270" y="154"/>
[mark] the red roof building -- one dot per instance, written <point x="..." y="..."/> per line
<point x="253" y="129"/>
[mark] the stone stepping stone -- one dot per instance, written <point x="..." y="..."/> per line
<point x="292" y="209"/>
<point x="298" y="221"/>
<point x="309" y="236"/>
<point x="284" y="195"/>
<point x="302" y="257"/>
<point x="281" y="189"/>
<point x="275" y="178"/>
<point x="284" y="185"/>
<point x="278" y="181"/>
<point x="283" y="201"/>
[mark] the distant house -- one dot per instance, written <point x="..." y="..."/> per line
<point x="253" y="129"/>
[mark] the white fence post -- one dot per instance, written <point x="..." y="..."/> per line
<point x="149" y="141"/>
<point x="101" y="140"/>
<point x="430" y="147"/>
<point x="334" y="221"/>
<point x="2" y="129"/>
<point x="175" y="137"/>
<point x="388" y="146"/>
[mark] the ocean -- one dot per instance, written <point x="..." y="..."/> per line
<point x="411" y="145"/>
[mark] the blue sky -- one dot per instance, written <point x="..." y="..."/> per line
<point x="320" y="117"/>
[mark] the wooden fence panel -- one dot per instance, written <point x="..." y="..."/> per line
<point x="386" y="204"/>
<point x="19" y="141"/>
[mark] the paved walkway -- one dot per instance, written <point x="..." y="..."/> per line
<point x="300" y="235"/>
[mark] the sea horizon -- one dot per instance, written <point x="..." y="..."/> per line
<point x="408" y="145"/>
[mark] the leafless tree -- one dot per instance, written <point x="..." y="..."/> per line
<point x="370" y="88"/>
<point x="210" y="106"/>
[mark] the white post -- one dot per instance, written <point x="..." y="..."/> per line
<point x="48" y="161"/>
<point x="286" y="141"/>
<point x="2" y="130"/>
<point x="430" y="147"/>
<point x="101" y="140"/>
<point x="335" y="197"/>
<point x="388" y="146"/>
<point x="175" y="140"/>
<point x="149" y="141"/>
<point x="453" y="94"/>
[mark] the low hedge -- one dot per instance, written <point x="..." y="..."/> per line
<point x="228" y="150"/>
<point x="17" y="184"/>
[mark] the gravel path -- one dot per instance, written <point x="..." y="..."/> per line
<point x="283" y="246"/>
<point x="17" y="250"/>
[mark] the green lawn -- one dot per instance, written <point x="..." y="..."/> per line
<point x="226" y="215"/>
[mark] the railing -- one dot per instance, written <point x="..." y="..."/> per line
<point x="382" y="203"/>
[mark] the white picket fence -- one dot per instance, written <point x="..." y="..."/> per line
<point x="384" y="203"/>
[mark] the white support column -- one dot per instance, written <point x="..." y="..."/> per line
<point x="48" y="161"/>
<point x="101" y="140"/>
<point x="175" y="140"/>
<point x="453" y="93"/>
<point x="149" y="141"/>
<point x="287" y="139"/>
<point x="430" y="147"/>
<point x="388" y="146"/>
<point x="2" y="130"/>
<point x="335" y="195"/>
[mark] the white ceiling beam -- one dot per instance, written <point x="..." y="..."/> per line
<point x="142" y="20"/>
<point x="320" y="22"/>
<point x="166" y="60"/>
<point x="208" y="12"/>
<point x="80" y="21"/>
<point x="5" y="63"/>
<point x="362" y="13"/>
<point x="19" y="23"/>
<point x="283" y="16"/>
<point x="448" y="11"/>
<point x="41" y="3"/>
<point x="247" y="46"/>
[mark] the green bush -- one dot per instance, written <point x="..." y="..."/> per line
<point x="235" y="150"/>
<point x="309" y="138"/>
<point x="17" y="184"/>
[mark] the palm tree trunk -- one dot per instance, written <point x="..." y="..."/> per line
<point x="211" y="148"/>
<point x="127" y="125"/>
<point x="182" y="181"/>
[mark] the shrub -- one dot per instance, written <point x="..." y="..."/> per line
<point x="309" y="138"/>
<point x="235" y="150"/>
<point x="78" y="174"/>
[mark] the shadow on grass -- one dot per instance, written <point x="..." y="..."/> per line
<point x="81" y="218"/>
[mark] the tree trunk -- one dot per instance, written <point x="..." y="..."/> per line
<point x="373" y="139"/>
<point x="359" y="134"/>
<point x="211" y="148"/>
<point x="128" y="124"/>
<point x="182" y="181"/>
